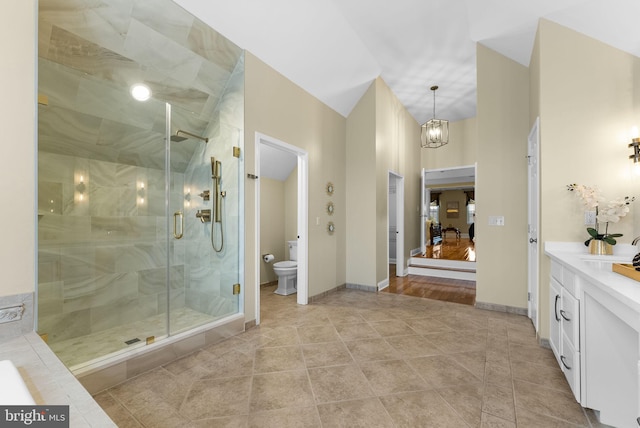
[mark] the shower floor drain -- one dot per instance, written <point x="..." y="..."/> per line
<point x="131" y="341"/>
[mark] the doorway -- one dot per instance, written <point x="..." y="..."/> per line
<point x="533" y="207"/>
<point x="395" y="225"/>
<point x="269" y="146"/>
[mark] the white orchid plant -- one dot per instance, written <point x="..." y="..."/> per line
<point x="606" y="212"/>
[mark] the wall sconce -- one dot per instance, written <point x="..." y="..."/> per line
<point x="635" y="144"/>
<point x="187" y="197"/>
<point x="636" y="150"/>
<point x="81" y="188"/>
<point x="141" y="192"/>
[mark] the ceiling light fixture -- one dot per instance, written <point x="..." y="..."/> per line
<point x="435" y="133"/>
<point x="140" y="92"/>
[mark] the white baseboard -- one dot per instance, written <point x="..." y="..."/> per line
<point x="442" y="273"/>
<point x="383" y="284"/>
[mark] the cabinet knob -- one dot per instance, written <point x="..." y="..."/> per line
<point x="532" y="240"/>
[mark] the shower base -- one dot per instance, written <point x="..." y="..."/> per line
<point x="83" y="350"/>
<point x="106" y="371"/>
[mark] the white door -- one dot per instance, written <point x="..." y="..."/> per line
<point x="399" y="208"/>
<point x="395" y="222"/>
<point x="533" y="203"/>
<point x="424" y="211"/>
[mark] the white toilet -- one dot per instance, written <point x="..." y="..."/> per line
<point x="287" y="271"/>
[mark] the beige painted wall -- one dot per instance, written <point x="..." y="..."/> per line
<point x="461" y="150"/>
<point x="381" y="137"/>
<point x="588" y="103"/>
<point x="17" y="169"/>
<point x="278" y="108"/>
<point x="272" y="224"/>
<point x="397" y="150"/>
<point x="501" y="186"/>
<point x="361" y="191"/>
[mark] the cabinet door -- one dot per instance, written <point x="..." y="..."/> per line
<point x="555" y="300"/>
<point x="570" y="364"/>
<point x="570" y="317"/>
<point x="611" y="364"/>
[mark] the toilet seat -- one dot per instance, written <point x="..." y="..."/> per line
<point x="285" y="264"/>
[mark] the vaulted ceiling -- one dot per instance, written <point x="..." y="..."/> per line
<point x="334" y="49"/>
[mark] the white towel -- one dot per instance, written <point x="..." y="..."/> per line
<point x="13" y="391"/>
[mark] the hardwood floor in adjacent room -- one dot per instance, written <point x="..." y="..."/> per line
<point x="452" y="249"/>
<point x="450" y="290"/>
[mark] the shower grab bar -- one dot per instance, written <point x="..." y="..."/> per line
<point x="175" y="224"/>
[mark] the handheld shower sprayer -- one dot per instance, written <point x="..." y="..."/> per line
<point x="216" y="176"/>
<point x="216" y="172"/>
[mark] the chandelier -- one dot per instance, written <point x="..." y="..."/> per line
<point x="435" y="133"/>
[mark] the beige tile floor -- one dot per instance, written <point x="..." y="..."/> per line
<point x="358" y="359"/>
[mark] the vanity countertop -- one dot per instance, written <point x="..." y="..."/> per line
<point x="598" y="269"/>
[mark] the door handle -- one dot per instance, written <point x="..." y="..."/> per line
<point x="564" y="315"/>
<point x="532" y="240"/>
<point x="176" y="215"/>
<point x="555" y="309"/>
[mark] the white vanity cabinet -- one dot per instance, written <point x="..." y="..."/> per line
<point x="612" y="358"/>
<point x="564" y="333"/>
<point x="594" y="332"/>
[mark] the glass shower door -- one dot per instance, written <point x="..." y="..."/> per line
<point x="101" y="202"/>
<point x="205" y="207"/>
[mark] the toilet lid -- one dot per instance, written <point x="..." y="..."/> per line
<point x="286" y="264"/>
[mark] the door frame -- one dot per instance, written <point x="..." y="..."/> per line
<point x="399" y="210"/>
<point x="445" y="176"/>
<point x="303" y="218"/>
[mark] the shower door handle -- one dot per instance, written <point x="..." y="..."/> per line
<point x="176" y="215"/>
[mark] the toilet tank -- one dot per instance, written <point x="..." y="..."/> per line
<point x="293" y="250"/>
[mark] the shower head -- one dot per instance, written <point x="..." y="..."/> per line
<point x="178" y="138"/>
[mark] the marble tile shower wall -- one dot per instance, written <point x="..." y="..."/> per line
<point x="210" y="275"/>
<point x="102" y="260"/>
<point x="102" y="252"/>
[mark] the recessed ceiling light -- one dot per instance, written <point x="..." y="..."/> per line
<point x="140" y="92"/>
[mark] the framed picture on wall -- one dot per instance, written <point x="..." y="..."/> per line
<point x="453" y="209"/>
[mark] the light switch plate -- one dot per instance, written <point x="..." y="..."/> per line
<point x="496" y="220"/>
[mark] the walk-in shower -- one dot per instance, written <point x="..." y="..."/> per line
<point x="123" y="260"/>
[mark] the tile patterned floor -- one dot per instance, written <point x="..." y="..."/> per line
<point x="358" y="359"/>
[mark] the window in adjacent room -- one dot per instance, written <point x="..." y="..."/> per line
<point x="471" y="210"/>
<point x="434" y="212"/>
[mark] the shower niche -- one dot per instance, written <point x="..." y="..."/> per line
<point x="123" y="260"/>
